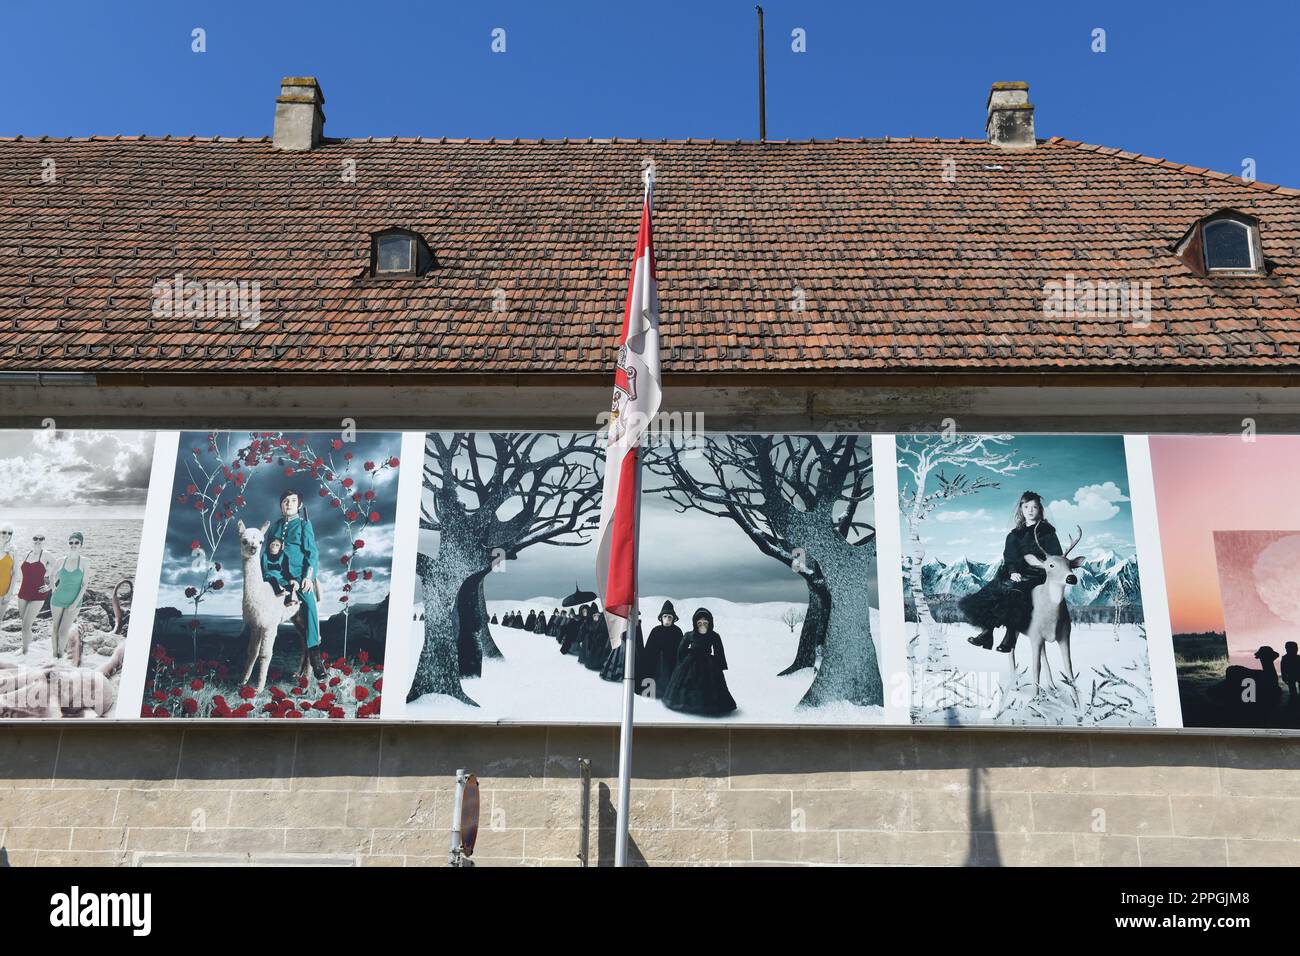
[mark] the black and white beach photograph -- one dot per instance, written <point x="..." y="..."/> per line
<point x="71" y="513"/>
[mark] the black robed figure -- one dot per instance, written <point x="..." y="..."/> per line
<point x="616" y="659"/>
<point x="661" y="649"/>
<point x="698" y="685"/>
<point x="1005" y="601"/>
<point x="595" y="640"/>
<point x="574" y="630"/>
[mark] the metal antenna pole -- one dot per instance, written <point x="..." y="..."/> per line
<point x="762" y="82"/>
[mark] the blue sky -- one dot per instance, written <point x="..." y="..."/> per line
<point x="1083" y="480"/>
<point x="1195" y="82"/>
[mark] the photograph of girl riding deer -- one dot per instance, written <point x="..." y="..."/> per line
<point x="969" y="580"/>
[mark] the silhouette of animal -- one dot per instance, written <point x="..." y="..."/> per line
<point x="1245" y="685"/>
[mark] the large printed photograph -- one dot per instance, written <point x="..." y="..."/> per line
<point x="1022" y="592"/>
<point x="71" y="516"/>
<point x="757" y="574"/>
<point x="1230" y="530"/>
<point x="274" y="590"/>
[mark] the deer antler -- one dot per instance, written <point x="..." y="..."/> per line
<point x="1074" y="541"/>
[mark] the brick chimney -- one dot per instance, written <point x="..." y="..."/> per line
<point x="1010" y="122"/>
<point x="299" y="119"/>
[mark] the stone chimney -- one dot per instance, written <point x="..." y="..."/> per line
<point x="299" y="119"/>
<point x="1010" y="122"/>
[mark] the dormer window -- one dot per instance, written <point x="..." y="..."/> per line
<point x="1226" y="243"/>
<point x="397" y="253"/>
<point x="1229" y="245"/>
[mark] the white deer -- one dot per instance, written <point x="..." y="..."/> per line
<point x="1050" y="618"/>
<point x="264" y="610"/>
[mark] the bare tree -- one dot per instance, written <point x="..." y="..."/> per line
<point x="798" y="499"/>
<point x="925" y="457"/>
<point x="490" y="496"/>
<point x="793" y="616"/>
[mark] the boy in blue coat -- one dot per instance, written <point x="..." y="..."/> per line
<point x="294" y="531"/>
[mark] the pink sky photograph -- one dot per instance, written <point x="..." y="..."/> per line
<point x="1209" y="483"/>
<point x="1258" y="576"/>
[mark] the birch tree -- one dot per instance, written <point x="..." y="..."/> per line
<point x="925" y="458"/>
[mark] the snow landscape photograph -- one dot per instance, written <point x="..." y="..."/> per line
<point x="758" y="597"/>
<point x="1022" y="592"/>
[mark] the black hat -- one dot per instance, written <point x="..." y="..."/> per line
<point x="702" y="613"/>
<point x="668" y="609"/>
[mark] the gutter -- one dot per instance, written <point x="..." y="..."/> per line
<point x="1056" y="378"/>
<point x="48" y="378"/>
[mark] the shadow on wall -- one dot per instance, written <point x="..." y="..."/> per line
<point x="982" y="833"/>
<point x="607" y="824"/>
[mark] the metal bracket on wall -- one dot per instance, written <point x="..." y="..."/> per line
<point x="584" y="809"/>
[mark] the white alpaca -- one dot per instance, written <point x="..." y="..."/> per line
<point x="264" y="610"/>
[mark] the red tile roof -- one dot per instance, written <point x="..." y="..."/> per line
<point x="901" y="271"/>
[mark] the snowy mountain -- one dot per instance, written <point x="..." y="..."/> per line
<point x="1105" y="560"/>
<point x="1121" y="586"/>
<point x="960" y="578"/>
<point x="1105" y="579"/>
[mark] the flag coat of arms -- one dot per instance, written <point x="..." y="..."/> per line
<point x="637" y="394"/>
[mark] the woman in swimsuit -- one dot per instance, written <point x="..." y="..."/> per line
<point x="34" y="572"/>
<point x="8" y="567"/>
<point x="69" y="588"/>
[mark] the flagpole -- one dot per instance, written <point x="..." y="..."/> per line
<point x="629" y="653"/>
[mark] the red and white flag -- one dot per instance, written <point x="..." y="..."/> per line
<point x="637" y="395"/>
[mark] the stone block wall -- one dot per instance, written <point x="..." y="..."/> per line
<point x="375" y="796"/>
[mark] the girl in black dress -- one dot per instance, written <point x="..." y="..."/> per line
<point x="595" y="645"/>
<point x="698" y="685"/>
<point x="1005" y="601"/>
<point x="575" y="629"/>
<point x="661" y="649"/>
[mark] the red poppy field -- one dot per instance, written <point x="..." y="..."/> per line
<point x="352" y="687"/>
